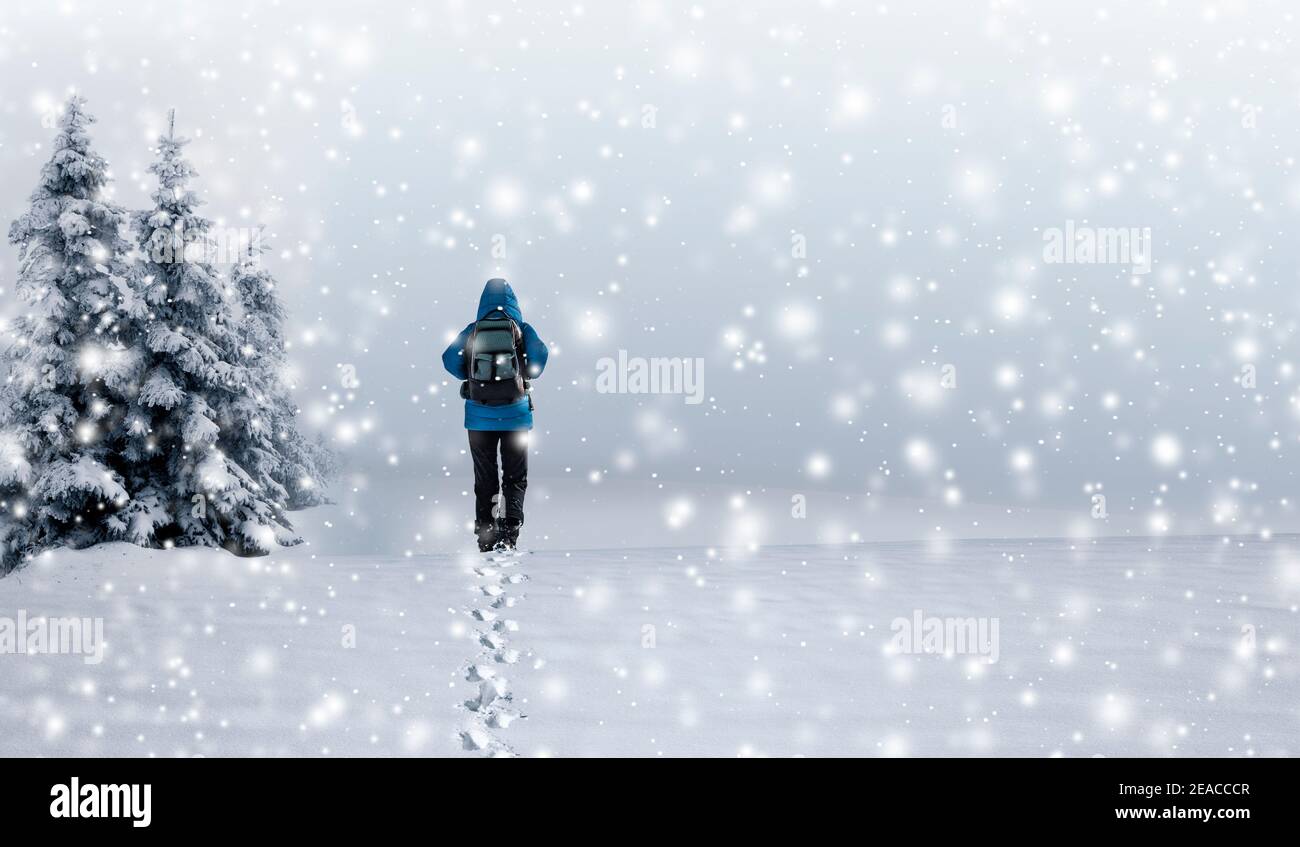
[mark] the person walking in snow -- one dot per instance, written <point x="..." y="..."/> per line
<point x="497" y="356"/>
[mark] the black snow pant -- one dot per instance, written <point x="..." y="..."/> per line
<point x="514" y="475"/>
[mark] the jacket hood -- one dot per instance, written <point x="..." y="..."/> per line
<point x="498" y="294"/>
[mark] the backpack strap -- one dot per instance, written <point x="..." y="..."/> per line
<point x="522" y="354"/>
<point x="467" y="357"/>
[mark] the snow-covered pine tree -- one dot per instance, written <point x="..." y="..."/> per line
<point x="293" y="462"/>
<point x="209" y="474"/>
<point x="70" y="369"/>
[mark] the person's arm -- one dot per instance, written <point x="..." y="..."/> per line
<point x="535" y="352"/>
<point x="453" y="358"/>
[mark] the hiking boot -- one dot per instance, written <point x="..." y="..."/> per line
<point x="487" y="537"/>
<point x="508" y="536"/>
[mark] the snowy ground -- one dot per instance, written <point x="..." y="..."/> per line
<point x="1113" y="646"/>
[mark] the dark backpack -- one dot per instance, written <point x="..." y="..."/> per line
<point x="494" y="362"/>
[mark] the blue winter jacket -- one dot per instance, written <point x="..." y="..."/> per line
<point x="513" y="416"/>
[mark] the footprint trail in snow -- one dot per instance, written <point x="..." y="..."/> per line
<point x="491" y="708"/>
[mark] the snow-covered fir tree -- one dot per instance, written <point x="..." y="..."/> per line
<point x="209" y="475"/>
<point x="143" y="396"/>
<point x="70" y="367"/>
<point x="287" y="460"/>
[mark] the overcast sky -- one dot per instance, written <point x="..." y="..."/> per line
<point x="840" y="208"/>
